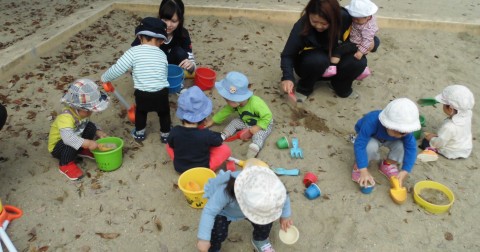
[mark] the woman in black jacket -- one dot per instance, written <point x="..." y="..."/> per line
<point x="321" y="28"/>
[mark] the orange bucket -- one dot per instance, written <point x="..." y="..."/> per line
<point x="205" y="78"/>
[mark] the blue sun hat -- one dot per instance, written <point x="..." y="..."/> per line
<point x="193" y="105"/>
<point x="234" y="87"/>
<point x="84" y="94"/>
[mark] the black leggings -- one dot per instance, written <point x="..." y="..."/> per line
<point x="220" y="232"/>
<point x="311" y="64"/>
<point x="152" y="102"/>
<point x="66" y="153"/>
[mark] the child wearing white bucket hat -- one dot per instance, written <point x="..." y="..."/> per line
<point x="391" y="127"/>
<point x="190" y="146"/>
<point x="149" y="72"/>
<point x="253" y="112"/>
<point x="362" y="34"/>
<point x="255" y="194"/>
<point x="454" y="138"/>
<point x="72" y="133"/>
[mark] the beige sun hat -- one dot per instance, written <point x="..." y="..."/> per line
<point x="361" y="8"/>
<point x="401" y="115"/>
<point x="260" y="194"/>
<point x="460" y="98"/>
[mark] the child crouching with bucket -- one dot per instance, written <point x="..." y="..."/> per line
<point x="190" y="146"/>
<point x="255" y="194"/>
<point x="72" y="132"/>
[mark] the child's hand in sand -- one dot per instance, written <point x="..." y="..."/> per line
<point x="101" y="134"/>
<point x="285" y="223"/>
<point x="365" y="178"/>
<point x="401" y="176"/>
<point x="203" y="245"/>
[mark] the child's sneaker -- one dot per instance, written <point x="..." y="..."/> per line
<point x="331" y="71"/>
<point x="71" y="170"/>
<point x="355" y="173"/>
<point x="86" y="153"/>
<point x="253" y="150"/>
<point x="263" y="246"/>
<point x="138" y="135"/>
<point x="427" y="156"/>
<point x="388" y="170"/>
<point x="365" y="74"/>
<point x="163" y="137"/>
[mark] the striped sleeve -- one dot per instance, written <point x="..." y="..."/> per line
<point x="123" y="64"/>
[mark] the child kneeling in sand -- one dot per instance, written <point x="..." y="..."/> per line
<point x="190" y="146"/>
<point x="72" y="133"/>
<point x="454" y="138"/>
<point x="253" y="112"/>
<point x="391" y="127"/>
<point x="255" y="194"/>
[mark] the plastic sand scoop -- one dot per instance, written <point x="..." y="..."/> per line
<point x="427" y="101"/>
<point x="397" y="193"/>
<point x="130" y="108"/>
<point x="244" y="135"/>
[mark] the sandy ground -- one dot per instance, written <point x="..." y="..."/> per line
<point x="140" y="208"/>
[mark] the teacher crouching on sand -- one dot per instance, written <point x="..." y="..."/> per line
<point x="322" y="26"/>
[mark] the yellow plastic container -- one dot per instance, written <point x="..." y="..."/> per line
<point x="199" y="176"/>
<point x="432" y="208"/>
<point x="1" y="207"/>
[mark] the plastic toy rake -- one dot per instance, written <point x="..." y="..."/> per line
<point x="130" y="108"/>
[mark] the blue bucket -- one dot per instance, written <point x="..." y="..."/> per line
<point x="175" y="78"/>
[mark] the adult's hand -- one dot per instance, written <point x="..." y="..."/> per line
<point x="186" y="64"/>
<point x="287" y="86"/>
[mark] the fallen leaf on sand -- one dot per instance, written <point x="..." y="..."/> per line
<point x="108" y="235"/>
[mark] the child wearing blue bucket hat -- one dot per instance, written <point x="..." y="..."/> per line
<point x="72" y="133"/>
<point x="149" y="72"/>
<point x="254" y="114"/>
<point x="188" y="145"/>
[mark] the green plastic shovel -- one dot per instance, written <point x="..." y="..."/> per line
<point x="427" y="101"/>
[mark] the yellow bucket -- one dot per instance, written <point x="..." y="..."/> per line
<point x="1" y="208"/>
<point x="199" y="176"/>
<point x="430" y="207"/>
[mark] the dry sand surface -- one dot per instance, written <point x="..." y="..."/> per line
<point x="140" y="208"/>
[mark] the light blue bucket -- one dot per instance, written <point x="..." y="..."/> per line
<point x="175" y="78"/>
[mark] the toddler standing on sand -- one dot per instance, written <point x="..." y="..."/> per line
<point x="72" y="133"/>
<point x="149" y="72"/>
<point x="391" y="127"/>
<point x="454" y="138"/>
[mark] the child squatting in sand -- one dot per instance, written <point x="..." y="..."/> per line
<point x="190" y="146"/>
<point x="72" y="132"/>
<point x="253" y="112"/>
<point x="391" y="127"/>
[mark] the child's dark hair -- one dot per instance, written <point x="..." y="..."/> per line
<point x="229" y="190"/>
<point x="168" y="8"/>
<point x="186" y="121"/>
<point x="146" y="37"/>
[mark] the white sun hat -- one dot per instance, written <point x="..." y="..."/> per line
<point x="361" y="8"/>
<point x="460" y="98"/>
<point x="260" y="194"/>
<point x="401" y="115"/>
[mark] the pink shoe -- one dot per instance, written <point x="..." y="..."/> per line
<point x="355" y="173"/>
<point x="365" y="74"/>
<point x="331" y="71"/>
<point x="388" y="170"/>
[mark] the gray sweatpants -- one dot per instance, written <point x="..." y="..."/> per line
<point x="396" y="150"/>
<point x="259" y="137"/>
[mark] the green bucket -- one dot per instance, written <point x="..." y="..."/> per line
<point x="109" y="160"/>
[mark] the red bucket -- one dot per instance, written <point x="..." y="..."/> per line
<point x="205" y="78"/>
